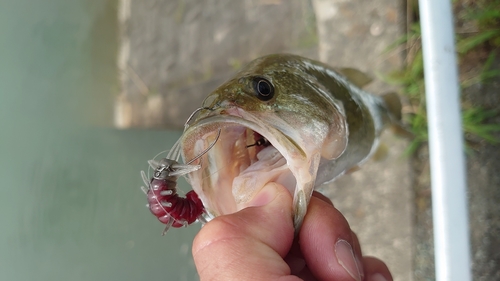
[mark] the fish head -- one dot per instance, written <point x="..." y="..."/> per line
<point x="272" y="122"/>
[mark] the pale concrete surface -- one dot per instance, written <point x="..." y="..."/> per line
<point x="378" y="199"/>
<point x="175" y="52"/>
<point x="483" y="178"/>
<point x="378" y="203"/>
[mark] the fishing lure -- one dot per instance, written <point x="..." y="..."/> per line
<point x="163" y="200"/>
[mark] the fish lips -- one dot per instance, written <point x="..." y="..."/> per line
<point x="231" y="157"/>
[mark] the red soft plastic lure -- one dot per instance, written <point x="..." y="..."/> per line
<point x="163" y="200"/>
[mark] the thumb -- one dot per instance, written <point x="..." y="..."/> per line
<point x="249" y="243"/>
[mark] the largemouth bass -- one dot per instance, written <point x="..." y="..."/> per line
<point x="286" y="119"/>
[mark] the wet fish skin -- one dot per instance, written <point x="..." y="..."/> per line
<point x="322" y="124"/>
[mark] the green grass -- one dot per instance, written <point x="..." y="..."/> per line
<point x="474" y="121"/>
<point x="485" y="16"/>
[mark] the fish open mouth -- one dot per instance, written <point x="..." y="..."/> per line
<point x="245" y="157"/>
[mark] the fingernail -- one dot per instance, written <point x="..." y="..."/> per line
<point x="346" y="258"/>
<point x="377" y="277"/>
<point x="265" y="196"/>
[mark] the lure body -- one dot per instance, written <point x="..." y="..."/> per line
<point x="164" y="201"/>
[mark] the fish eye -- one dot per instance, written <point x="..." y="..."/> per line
<point x="263" y="89"/>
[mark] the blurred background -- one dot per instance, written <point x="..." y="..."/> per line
<point x="70" y="203"/>
<point x="90" y="90"/>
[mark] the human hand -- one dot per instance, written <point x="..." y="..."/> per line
<point x="257" y="243"/>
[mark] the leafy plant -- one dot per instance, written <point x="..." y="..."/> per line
<point x="474" y="121"/>
<point x="486" y="16"/>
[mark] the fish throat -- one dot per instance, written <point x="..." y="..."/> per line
<point x="242" y="161"/>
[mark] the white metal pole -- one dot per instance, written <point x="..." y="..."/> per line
<point x="449" y="200"/>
